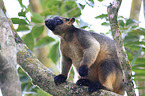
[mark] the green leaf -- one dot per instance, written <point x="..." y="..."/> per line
<point x="54" y="53"/>
<point x="136" y="56"/>
<point x="70" y="9"/>
<point x="130" y="22"/>
<point x="37" y="18"/>
<point x="105" y="24"/>
<point x="19" y="21"/>
<point x="22" y="28"/>
<point x="121" y="23"/>
<point x="37" y="30"/>
<point x="141" y="88"/>
<point x="44" y="41"/>
<point x="102" y="16"/>
<point x="21" y="3"/>
<point x="138" y="65"/>
<point x="139" y="74"/>
<point x="140" y="60"/>
<point x="42" y="93"/>
<point x="134" y="43"/>
<point x="139" y="79"/>
<point x="22" y="13"/>
<point x="29" y="41"/>
<point x="100" y="0"/>
<point x="81" y="6"/>
<point x="90" y="3"/>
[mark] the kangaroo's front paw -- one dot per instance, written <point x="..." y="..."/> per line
<point x="83" y="82"/>
<point x="59" y="79"/>
<point x="83" y="70"/>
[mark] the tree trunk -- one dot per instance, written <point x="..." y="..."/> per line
<point x="134" y="14"/>
<point x="9" y="79"/>
<point x="144" y="7"/>
<point x="113" y="14"/>
<point x="135" y="10"/>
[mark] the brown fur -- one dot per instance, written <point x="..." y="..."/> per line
<point x="96" y="51"/>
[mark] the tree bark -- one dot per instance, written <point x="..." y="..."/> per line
<point x="10" y="83"/>
<point x="144" y="7"/>
<point x="135" y="9"/>
<point x="112" y="14"/>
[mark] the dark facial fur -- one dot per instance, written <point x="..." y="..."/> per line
<point x="52" y="23"/>
<point x="55" y="21"/>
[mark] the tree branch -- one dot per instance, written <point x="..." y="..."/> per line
<point x="9" y="79"/>
<point x="112" y="14"/>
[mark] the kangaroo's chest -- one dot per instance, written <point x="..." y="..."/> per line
<point x="74" y="52"/>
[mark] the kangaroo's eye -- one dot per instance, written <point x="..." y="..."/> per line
<point x="67" y="19"/>
<point x="59" y="21"/>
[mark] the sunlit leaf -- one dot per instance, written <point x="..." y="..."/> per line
<point x="42" y="93"/>
<point x="22" y="13"/>
<point x="37" y="18"/>
<point x="138" y="65"/>
<point x="139" y="79"/>
<point x="22" y="28"/>
<point x="105" y="24"/>
<point x="29" y="41"/>
<point x="70" y="9"/>
<point x="136" y="56"/>
<point x="141" y="88"/>
<point x="140" y="60"/>
<point x="21" y="3"/>
<point x="102" y="16"/>
<point x="81" y="6"/>
<point x="130" y="22"/>
<point x="19" y="21"/>
<point x="139" y="74"/>
<point x="37" y="30"/>
<point x="121" y="23"/>
<point x="90" y="3"/>
<point x="44" y="41"/>
<point x="134" y="43"/>
<point x="100" y="0"/>
<point x="54" y="53"/>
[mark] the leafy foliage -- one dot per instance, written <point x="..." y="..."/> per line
<point x="37" y="30"/>
<point x="44" y="41"/>
<point x="54" y="53"/>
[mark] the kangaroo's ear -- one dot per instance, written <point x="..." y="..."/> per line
<point x="71" y="20"/>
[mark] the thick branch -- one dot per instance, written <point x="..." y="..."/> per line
<point x="112" y="14"/>
<point x="135" y="9"/>
<point x="9" y="79"/>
